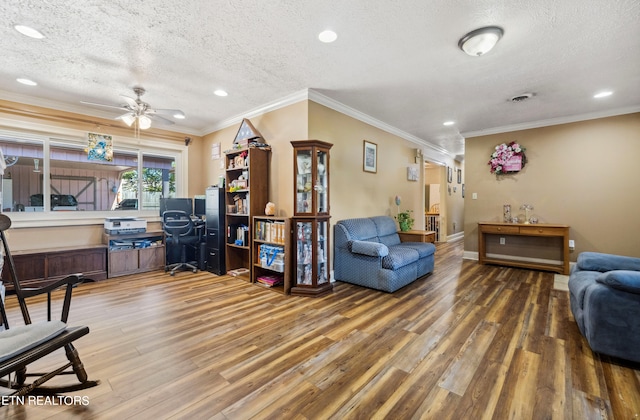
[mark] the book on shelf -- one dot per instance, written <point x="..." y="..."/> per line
<point x="270" y="281"/>
<point x="270" y="231"/>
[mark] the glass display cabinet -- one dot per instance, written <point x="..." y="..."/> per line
<point x="311" y="218"/>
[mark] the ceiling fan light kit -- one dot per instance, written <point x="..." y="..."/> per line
<point x="480" y="41"/>
<point x="140" y="113"/>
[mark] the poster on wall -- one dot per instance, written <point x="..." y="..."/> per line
<point x="99" y="147"/>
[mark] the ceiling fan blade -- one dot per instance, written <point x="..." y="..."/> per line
<point x="161" y="119"/>
<point x="165" y="111"/>
<point x="132" y="102"/>
<point x="102" y="105"/>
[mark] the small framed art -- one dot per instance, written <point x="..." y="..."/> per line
<point x="370" y="157"/>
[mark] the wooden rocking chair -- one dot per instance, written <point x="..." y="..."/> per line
<point x="26" y="344"/>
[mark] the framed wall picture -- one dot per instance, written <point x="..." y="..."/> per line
<point x="412" y="173"/>
<point x="459" y="176"/>
<point x="449" y="174"/>
<point x="370" y="157"/>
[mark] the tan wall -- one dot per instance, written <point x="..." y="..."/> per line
<point x="583" y="174"/>
<point x="355" y="193"/>
<point x="278" y="128"/>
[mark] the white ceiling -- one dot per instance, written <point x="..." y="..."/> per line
<point x="395" y="61"/>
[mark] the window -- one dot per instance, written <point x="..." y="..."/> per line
<point x="22" y="178"/>
<point x="75" y="183"/>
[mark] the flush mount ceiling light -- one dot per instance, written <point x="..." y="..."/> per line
<point x="327" y="36"/>
<point x="480" y="41"/>
<point x="28" y="31"/>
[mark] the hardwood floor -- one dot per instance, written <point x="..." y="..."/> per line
<point x="467" y="342"/>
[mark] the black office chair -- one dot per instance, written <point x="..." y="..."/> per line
<point x="180" y="231"/>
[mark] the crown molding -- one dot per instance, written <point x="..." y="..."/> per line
<point x="361" y="116"/>
<point x="263" y="109"/>
<point x="312" y="95"/>
<point x="552" y="121"/>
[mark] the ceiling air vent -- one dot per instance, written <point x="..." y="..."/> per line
<point x="522" y="97"/>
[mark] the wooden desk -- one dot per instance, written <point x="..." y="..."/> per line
<point x="417" y="236"/>
<point x="521" y="229"/>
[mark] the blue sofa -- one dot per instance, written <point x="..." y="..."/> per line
<point x="605" y="301"/>
<point x="368" y="252"/>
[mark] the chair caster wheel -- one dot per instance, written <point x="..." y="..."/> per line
<point x="195" y="270"/>
<point x="172" y="274"/>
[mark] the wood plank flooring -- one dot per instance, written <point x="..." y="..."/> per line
<point x="467" y="342"/>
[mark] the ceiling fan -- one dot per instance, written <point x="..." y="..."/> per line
<point x="139" y="112"/>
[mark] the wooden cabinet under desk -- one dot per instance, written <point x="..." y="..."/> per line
<point x="39" y="267"/>
<point x="541" y="230"/>
<point x="123" y="260"/>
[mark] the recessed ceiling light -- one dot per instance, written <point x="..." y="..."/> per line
<point x="179" y="116"/>
<point x="603" y="94"/>
<point x="220" y="92"/>
<point x="327" y="36"/>
<point x="28" y="31"/>
<point x="27" y="82"/>
<point x="448" y="123"/>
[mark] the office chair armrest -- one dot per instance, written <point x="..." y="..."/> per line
<point x="69" y="281"/>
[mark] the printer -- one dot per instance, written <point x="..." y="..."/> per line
<point x="120" y="225"/>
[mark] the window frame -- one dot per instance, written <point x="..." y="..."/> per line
<point x="75" y="138"/>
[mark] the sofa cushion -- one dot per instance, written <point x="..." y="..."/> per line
<point x="596" y="261"/>
<point x="398" y="257"/>
<point x="386" y="230"/>
<point x="424" y="248"/>
<point x="625" y="280"/>
<point x="360" y="229"/>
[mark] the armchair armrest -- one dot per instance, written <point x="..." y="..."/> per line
<point x="69" y="281"/>
<point x="625" y="280"/>
<point x="596" y="261"/>
<point x="372" y="249"/>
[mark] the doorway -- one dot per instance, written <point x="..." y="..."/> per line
<point x="434" y="203"/>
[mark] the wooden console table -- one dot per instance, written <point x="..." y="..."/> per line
<point x="417" y="236"/>
<point x="520" y="229"/>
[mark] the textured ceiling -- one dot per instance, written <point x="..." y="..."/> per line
<point x="395" y="61"/>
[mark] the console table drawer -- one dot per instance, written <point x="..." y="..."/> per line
<point x="514" y="230"/>
<point x="540" y="231"/>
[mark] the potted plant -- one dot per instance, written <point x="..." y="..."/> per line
<point x="405" y="220"/>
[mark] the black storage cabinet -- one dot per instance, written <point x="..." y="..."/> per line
<point x="215" y="241"/>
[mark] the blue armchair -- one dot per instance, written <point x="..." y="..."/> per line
<point x="605" y="301"/>
<point x="368" y="252"/>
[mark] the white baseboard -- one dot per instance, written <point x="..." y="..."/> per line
<point x="455" y="237"/>
<point x="470" y="255"/>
